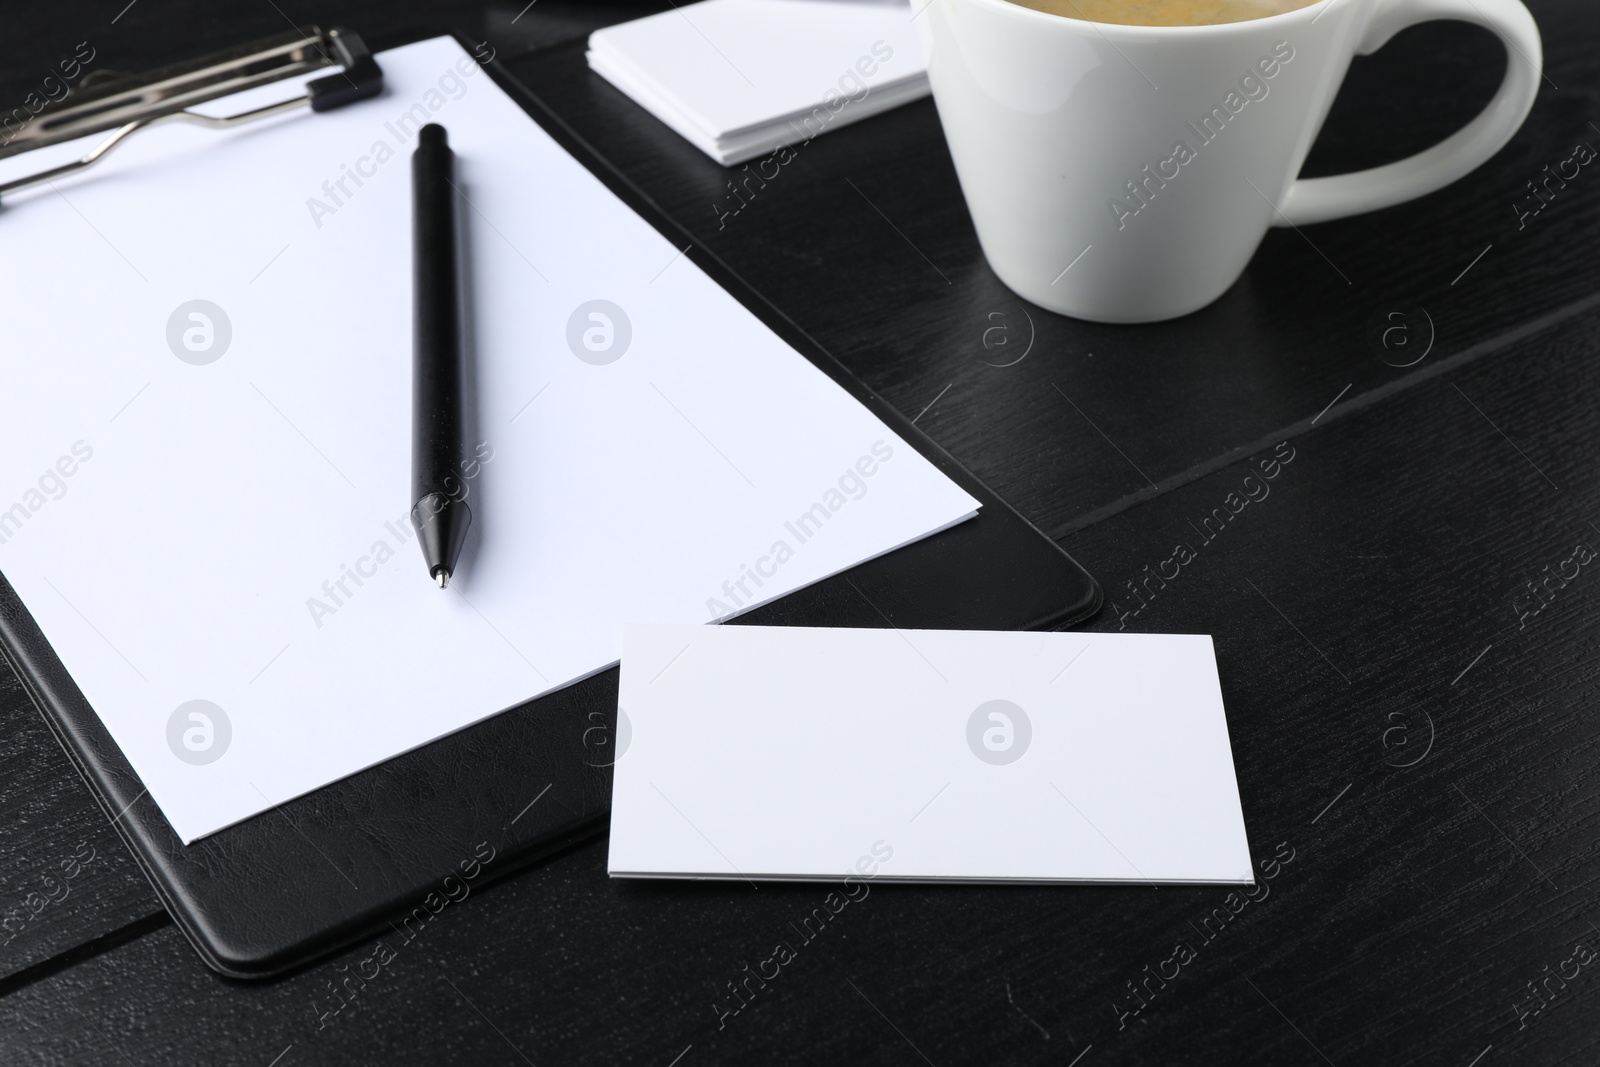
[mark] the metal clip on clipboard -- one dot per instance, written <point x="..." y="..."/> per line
<point x="126" y="104"/>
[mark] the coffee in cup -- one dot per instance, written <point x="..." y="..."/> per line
<point x="1165" y="12"/>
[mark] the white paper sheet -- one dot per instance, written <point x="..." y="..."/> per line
<point x="923" y="755"/>
<point x="235" y="531"/>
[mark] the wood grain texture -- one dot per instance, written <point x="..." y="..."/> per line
<point x="1375" y="599"/>
<point x="1345" y="602"/>
<point x="66" y="877"/>
<point x="864" y="240"/>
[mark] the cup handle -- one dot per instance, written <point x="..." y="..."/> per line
<point x="1311" y="200"/>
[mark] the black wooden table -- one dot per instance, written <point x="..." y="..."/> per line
<point x="1406" y="627"/>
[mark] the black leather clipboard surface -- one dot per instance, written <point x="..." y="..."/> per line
<point x="320" y="872"/>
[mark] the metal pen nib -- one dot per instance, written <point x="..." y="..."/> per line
<point x="442" y="577"/>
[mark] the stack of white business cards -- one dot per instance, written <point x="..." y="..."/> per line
<point x="791" y="753"/>
<point x="741" y="78"/>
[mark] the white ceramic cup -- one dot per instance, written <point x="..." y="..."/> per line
<point x="1127" y="173"/>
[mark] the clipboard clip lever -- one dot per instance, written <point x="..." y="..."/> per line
<point x="126" y="104"/>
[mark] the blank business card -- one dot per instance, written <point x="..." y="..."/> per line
<point x="813" y="65"/>
<point x="795" y="753"/>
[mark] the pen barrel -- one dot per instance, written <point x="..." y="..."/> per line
<point x="439" y="445"/>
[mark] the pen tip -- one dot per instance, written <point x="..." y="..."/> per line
<point x="442" y="576"/>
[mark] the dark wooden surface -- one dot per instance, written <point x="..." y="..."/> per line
<point x="1401" y="721"/>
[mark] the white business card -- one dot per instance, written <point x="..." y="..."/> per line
<point x="765" y="752"/>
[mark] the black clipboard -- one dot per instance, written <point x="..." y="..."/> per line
<point x="399" y="842"/>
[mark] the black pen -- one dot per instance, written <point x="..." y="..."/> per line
<point x="438" y="393"/>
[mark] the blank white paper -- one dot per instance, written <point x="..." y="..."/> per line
<point x="232" y="528"/>
<point x="767" y="752"/>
